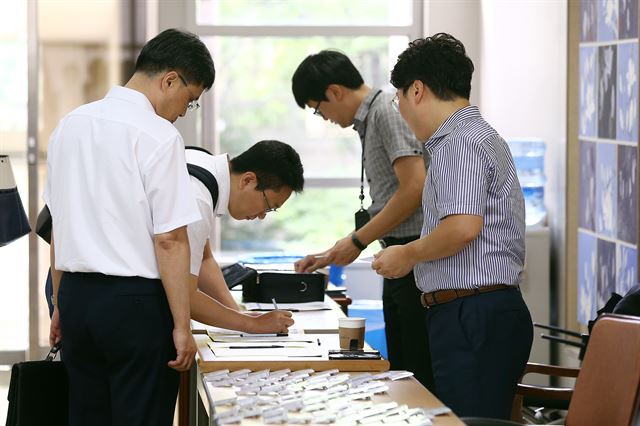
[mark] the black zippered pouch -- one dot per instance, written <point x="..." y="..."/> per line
<point x="285" y="287"/>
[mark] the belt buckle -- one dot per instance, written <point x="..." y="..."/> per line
<point x="423" y="301"/>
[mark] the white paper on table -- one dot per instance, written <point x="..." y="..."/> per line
<point x="293" y="307"/>
<point x="250" y="344"/>
<point x="261" y="339"/>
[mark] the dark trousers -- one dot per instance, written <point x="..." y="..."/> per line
<point x="479" y="348"/>
<point x="117" y="339"/>
<point x="48" y="291"/>
<point x="405" y="328"/>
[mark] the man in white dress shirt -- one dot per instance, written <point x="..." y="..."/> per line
<point x="256" y="182"/>
<point x="120" y="200"/>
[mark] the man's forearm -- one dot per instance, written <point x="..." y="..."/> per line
<point x="55" y="274"/>
<point x="404" y="202"/>
<point x="212" y="283"/>
<point x="452" y="235"/>
<point x="211" y="312"/>
<point x="399" y="208"/>
<point x="172" y="253"/>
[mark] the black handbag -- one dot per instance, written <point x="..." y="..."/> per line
<point x="285" y="287"/>
<point x="13" y="219"/>
<point x="39" y="393"/>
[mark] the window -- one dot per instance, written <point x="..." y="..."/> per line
<point x="303" y="12"/>
<point x="257" y="46"/>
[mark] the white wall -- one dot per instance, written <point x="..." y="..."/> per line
<point x="523" y="78"/>
<point x="462" y="19"/>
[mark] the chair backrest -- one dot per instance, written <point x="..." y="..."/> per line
<point x="607" y="388"/>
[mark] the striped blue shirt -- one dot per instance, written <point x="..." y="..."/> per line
<point x="471" y="172"/>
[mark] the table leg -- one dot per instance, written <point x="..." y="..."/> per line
<point x="183" y="399"/>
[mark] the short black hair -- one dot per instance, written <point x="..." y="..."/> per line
<point x="181" y="51"/>
<point x="318" y="71"/>
<point x="276" y="164"/>
<point x="440" y="62"/>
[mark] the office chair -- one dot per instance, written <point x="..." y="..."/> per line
<point x="608" y="384"/>
<point x="548" y="398"/>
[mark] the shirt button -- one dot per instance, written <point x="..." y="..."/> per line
<point x="368" y="180"/>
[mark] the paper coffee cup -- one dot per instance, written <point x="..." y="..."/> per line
<point x="351" y="328"/>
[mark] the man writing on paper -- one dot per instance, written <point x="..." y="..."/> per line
<point x="256" y="182"/>
<point x="269" y="170"/>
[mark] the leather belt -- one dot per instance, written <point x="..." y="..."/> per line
<point x="443" y="296"/>
<point x="397" y="241"/>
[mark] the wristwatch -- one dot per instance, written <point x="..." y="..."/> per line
<point x="356" y="242"/>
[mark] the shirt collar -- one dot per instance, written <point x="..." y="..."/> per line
<point x="363" y="110"/>
<point x="454" y="120"/>
<point x="223" y="175"/>
<point x="130" y="95"/>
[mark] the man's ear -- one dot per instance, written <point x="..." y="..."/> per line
<point x="334" y="92"/>
<point x="248" y="180"/>
<point x="417" y="91"/>
<point x="169" y="80"/>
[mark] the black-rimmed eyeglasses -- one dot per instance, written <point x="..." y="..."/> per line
<point x="194" y="104"/>
<point x="317" y="111"/>
<point x="269" y="209"/>
<point x="395" y="102"/>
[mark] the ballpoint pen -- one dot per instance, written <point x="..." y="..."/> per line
<point x="264" y="347"/>
<point x="275" y="306"/>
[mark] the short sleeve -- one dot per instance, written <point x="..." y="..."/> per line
<point x="199" y="233"/>
<point x="46" y="195"/>
<point x="464" y="173"/>
<point x="399" y="140"/>
<point x="168" y="188"/>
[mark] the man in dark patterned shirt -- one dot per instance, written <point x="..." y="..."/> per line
<point x="392" y="158"/>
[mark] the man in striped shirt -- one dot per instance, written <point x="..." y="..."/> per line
<point x="469" y="260"/>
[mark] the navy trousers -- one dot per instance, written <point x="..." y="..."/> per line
<point x="479" y="348"/>
<point x="117" y="340"/>
<point x="48" y="291"/>
<point x="405" y="329"/>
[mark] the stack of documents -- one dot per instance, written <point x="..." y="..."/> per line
<point x="293" y="307"/>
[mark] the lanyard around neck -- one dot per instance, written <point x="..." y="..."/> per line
<point x="364" y="137"/>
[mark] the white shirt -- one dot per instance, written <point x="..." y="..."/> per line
<point x="201" y="231"/>
<point x="116" y="177"/>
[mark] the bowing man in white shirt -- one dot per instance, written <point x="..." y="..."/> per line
<point x="120" y="200"/>
<point x="256" y="182"/>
